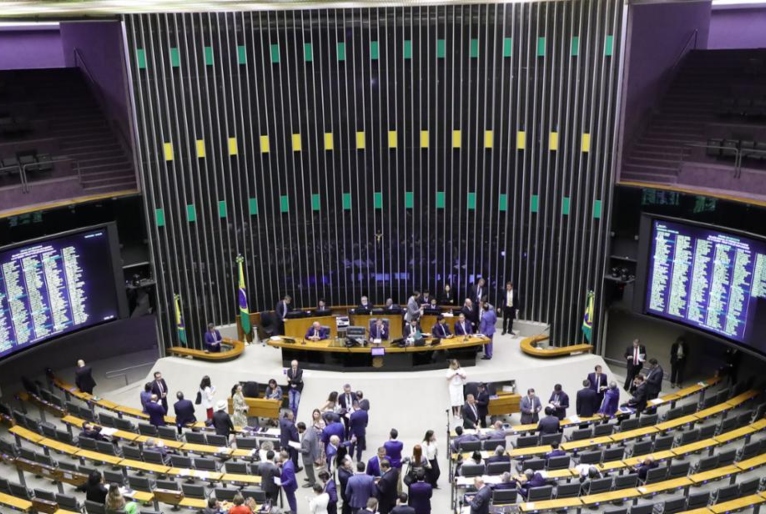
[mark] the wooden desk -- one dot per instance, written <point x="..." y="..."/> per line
<point x="564" y="503"/>
<point x="529" y="346"/>
<point x="657" y="456"/>
<point x="734" y="434"/>
<point x="532" y="450"/>
<point x="236" y="348"/>
<point x="206" y="449"/>
<point x="586" y="443"/>
<point x="15" y="503"/>
<point x="633" y="434"/>
<point x="714" y="410"/>
<point x="752" y="463"/>
<point x="395" y="323"/>
<point x="207" y="476"/>
<point x="666" y="485"/>
<point x="742" y="398"/>
<point x="741" y="503"/>
<point x="232" y="478"/>
<point x="504" y="403"/>
<point x="714" y="474"/>
<point x="606" y="467"/>
<point x="297" y="327"/>
<point x="427" y="322"/>
<point x="158" y="469"/>
<point x="705" y="444"/>
<point x="613" y="496"/>
<point x="25" y="433"/>
<point x="99" y="457"/>
<point x="333" y="355"/>
<point x="59" y="447"/>
<point x="260" y="407"/>
<point x="678" y="422"/>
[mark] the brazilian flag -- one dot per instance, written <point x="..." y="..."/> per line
<point x="244" y="311"/>
<point x="180" y="325"/>
<point x="587" y="320"/>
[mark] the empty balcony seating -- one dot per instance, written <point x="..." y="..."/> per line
<point x="729" y="148"/>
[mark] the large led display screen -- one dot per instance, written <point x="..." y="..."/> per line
<point x="53" y="286"/>
<point x="710" y="279"/>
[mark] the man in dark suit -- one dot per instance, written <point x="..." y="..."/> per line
<point x="679" y="351"/>
<point x="500" y="455"/>
<point x="555" y="452"/>
<point x="509" y="305"/>
<point x="420" y="493"/>
<point x="184" y="410"/>
<point x="529" y="480"/>
<point x="359" y="488"/>
<point x="289" y="482"/>
<point x="643" y="467"/>
<point x="392" y="307"/>
<point x="156" y="412"/>
<point x="441" y="329"/>
<point x="463" y="327"/>
<point x="331" y="489"/>
<point x="282" y="308"/>
<point x="267" y="470"/>
<point x="346" y="402"/>
<point x="357" y="426"/>
<point x="635" y="355"/>
<point x="639" y="398"/>
<point x="412" y="330"/>
<point x="160" y="388"/>
<point x="482" y="404"/>
<point x="654" y="376"/>
<point x="374" y="464"/>
<point x="379" y="330"/>
<point x="222" y="421"/>
<point x="480" y="501"/>
<point x="363" y="402"/>
<point x="288" y="432"/>
<point x="550" y="424"/>
<point x="90" y="431"/>
<point x="461" y="438"/>
<point x="364" y="307"/>
<point x="477" y="293"/>
<point x="83" y="377"/>
<point x="587" y="402"/>
<point x="470" y="413"/>
<point x="213" y="339"/>
<point x="295" y="386"/>
<point x="316" y="332"/>
<point x="386" y="487"/>
<point x="394" y="449"/>
<point x="470" y="312"/>
<point x="599" y="383"/>
<point x="401" y="505"/>
<point x="560" y="401"/>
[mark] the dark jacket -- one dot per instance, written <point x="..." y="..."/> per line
<point x="674" y="352"/>
<point x="561" y="410"/>
<point x="94" y="492"/>
<point x="482" y="403"/>
<point x="156" y="414"/>
<point x="386" y="490"/>
<point x="549" y="425"/>
<point x="184" y="410"/>
<point x="267" y="471"/>
<point x="420" y="497"/>
<point x="587" y="402"/>
<point x="295" y="380"/>
<point x="83" y="379"/>
<point x="287" y="432"/>
<point x="156" y="390"/>
<point x="222" y="423"/>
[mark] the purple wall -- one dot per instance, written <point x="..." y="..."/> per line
<point x="26" y="47"/>
<point x="657" y="34"/>
<point x="738" y="28"/>
<point x="100" y="44"/>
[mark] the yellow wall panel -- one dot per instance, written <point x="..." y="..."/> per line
<point x="393" y="139"/>
<point x="297" y="145"/>
<point x="489" y="139"/>
<point x="457" y="139"/>
<point x="553" y="141"/>
<point x="521" y="140"/>
<point x="233" y="149"/>
<point x="360" y="140"/>
<point x="167" y="150"/>
<point x="424" y="139"/>
<point x="265" y="144"/>
<point x="329" y="143"/>
<point x="585" y="145"/>
<point x="201" y="149"/>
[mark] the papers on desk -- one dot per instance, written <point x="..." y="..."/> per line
<point x="278" y="481"/>
<point x="127" y="492"/>
<point x="185" y="472"/>
<point x="702" y="384"/>
<point x="294" y="444"/>
<point x="202" y="475"/>
<point x="377" y="340"/>
<point x="574" y="419"/>
<point x="223" y="449"/>
<point x="108" y="431"/>
<point x="448" y="314"/>
<point x="656" y="401"/>
<point x="642" y="490"/>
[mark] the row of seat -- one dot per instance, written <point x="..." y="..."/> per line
<point x="14" y="126"/>
<point x="753" y="108"/>
<point x="729" y="148"/>
<point x="30" y="160"/>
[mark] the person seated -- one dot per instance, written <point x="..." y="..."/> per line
<point x="364" y="307"/>
<point x="587" y="477"/>
<point x="639" y="398"/>
<point x="529" y="480"/>
<point x="555" y="452"/>
<point x="412" y="334"/>
<point x="379" y="331"/>
<point x="505" y="482"/>
<point x="496" y="431"/>
<point x="273" y="391"/>
<point x="393" y="307"/>
<point x="317" y="332"/>
<point x="460" y="437"/>
<point x="500" y="455"/>
<point x="322" y="309"/>
<point x="474" y="460"/>
<point x="158" y="446"/>
<point x="213" y="506"/>
<point x="471" y="316"/>
<point x="643" y="467"/>
<point x="448" y="296"/>
<point x="91" y="431"/>
<point x="213" y="339"/>
<point x="441" y="329"/>
<point x="550" y="424"/>
<point x="463" y="327"/>
<point x="425" y="299"/>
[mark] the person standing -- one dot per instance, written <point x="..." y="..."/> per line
<point x="345" y="472"/>
<point x="213" y="339"/>
<point x="448" y="296"/>
<point x="310" y="451"/>
<point x="470" y="413"/>
<point x="487" y="327"/>
<point x="611" y="401"/>
<point x="267" y="470"/>
<point x="586" y="403"/>
<point x="374" y="463"/>
<point x="288" y="433"/>
<point x="480" y="501"/>
<point x="295" y="386"/>
<point x="431" y="453"/>
<point x="357" y="426"/>
<point x="222" y="421"/>
<point x="510" y="306"/>
<point x="145" y="396"/>
<point x="402" y="505"/>
<point x="331" y="489"/>
<point x="359" y="489"/>
<point x="346" y="402"/>
<point x="318" y="504"/>
<point x="156" y="412"/>
<point x="288" y="480"/>
<point x="654" y="376"/>
<point x="386" y="487"/>
<point x="456" y="379"/>
<point x="207" y="396"/>
<point x="477" y="292"/>
<point x="282" y="308"/>
<point x="550" y="424"/>
<point x="530" y="408"/>
<point x="413" y="308"/>
<point x="238" y="406"/>
<point x="184" y="410"/>
<point x="678" y="354"/>
<point x="394" y="449"/>
<point x="482" y="404"/>
<point x="560" y="402"/>
<point x="160" y="388"/>
<point x="420" y="493"/>
<point x="469" y="312"/>
<point x="635" y="355"/>
<point x="83" y="377"/>
<point x="598" y="382"/>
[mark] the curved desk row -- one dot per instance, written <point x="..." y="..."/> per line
<point x="529" y="346"/>
<point x="235" y="350"/>
<point x="333" y="355"/>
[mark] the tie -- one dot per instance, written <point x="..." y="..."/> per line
<point x="316" y="333"/>
<point x="159" y="386"/>
<point x="473" y="408"/>
<point x="348" y="401"/>
<point x="598" y="381"/>
<point x="635" y="356"/>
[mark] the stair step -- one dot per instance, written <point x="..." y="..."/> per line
<point x="650" y="168"/>
<point x="643" y="177"/>
<point x="106" y="188"/>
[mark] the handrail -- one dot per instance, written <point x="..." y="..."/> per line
<point x="737" y="155"/>
<point x="23" y="169"/>
<point x="124" y="371"/>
